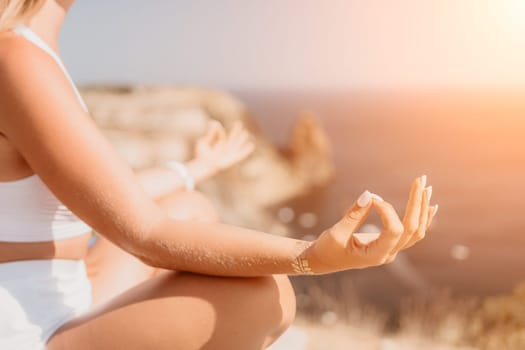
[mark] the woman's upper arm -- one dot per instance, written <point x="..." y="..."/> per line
<point x="40" y="115"/>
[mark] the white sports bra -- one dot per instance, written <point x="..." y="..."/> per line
<point x="29" y="211"/>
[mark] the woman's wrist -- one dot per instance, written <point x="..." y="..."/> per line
<point x="315" y="263"/>
<point x="182" y="170"/>
<point x="301" y="264"/>
<point x="191" y="172"/>
<point x="201" y="169"/>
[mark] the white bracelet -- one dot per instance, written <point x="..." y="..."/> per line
<point x="182" y="170"/>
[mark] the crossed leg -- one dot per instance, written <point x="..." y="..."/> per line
<point x="136" y="307"/>
<point x="113" y="271"/>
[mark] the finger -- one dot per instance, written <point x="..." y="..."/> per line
<point x="413" y="210"/>
<point x="425" y="209"/>
<point x="431" y="213"/>
<point x="235" y="131"/>
<point x="241" y="139"/>
<point x="247" y="150"/>
<point x="393" y="229"/>
<point x="207" y="137"/>
<point x="218" y="133"/>
<point x="221" y="134"/>
<point x="241" y="147"/>
<point x="213" y="132"/>
<point x="423" y="219"/>
<point x="353" y="218"/>
<point x="241" y="154"/>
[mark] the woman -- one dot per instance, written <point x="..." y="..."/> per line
<point x="154" y="281"/>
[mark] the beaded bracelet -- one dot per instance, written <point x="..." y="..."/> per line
<point x="182" y="170"/>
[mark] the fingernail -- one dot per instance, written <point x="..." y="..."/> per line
<point x="424" y="180"/>
<point x="429" y="192"/>
<point x="377" y="197"/>
<point x="364" y="199"/>
<point x="436" y="208"/>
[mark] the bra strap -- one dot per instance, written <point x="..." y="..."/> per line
<point x="30" y="35"/>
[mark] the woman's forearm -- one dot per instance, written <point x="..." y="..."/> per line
<point x="218" y="249"/>
<point x="159" y="181"/>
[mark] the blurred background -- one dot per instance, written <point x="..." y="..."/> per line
<point x="385" y="90"/>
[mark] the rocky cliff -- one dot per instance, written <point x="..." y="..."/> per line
<point x="149" y="125"/>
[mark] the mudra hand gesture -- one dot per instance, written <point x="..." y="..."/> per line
<point x="340" y="248"/>
<point x="220" y="150"/>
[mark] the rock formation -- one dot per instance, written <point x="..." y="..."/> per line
<point x="149" y="125"/>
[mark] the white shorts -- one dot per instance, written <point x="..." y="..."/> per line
<point x="37" y="297"/>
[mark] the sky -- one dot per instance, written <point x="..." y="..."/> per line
<point x="298" y="44"/>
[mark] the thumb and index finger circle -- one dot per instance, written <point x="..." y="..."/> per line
<point x="356" y="215"/>
<point x="390" y="236"/>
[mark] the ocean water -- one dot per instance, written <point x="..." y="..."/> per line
<point x="471" y="145"/>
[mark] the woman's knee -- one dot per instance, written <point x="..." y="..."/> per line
<point x="260" y="307"/>
<point x="267" y="305"/>
<point x="189" y="206"/>
<point x="287" y="304"/>
<point x="269" y="293"/>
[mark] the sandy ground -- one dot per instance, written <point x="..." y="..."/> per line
<point x="307" y="336"/>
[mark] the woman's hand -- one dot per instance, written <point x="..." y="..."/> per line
<point x="340" y="248"/>
<point x="220" y="150"/>
<point x="214" y="151"/>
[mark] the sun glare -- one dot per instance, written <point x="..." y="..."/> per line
<point x="511" y="17"/>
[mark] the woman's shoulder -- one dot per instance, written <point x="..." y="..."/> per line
<point x="24" y="67"/>
<point x="25" y="71"/>
<point x="18" y="55"/>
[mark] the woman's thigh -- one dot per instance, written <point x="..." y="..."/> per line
<point x="186" y="311"/>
